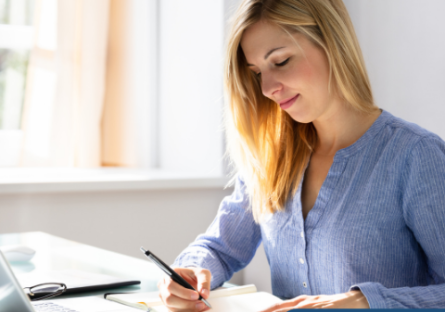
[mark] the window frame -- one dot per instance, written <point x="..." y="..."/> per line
<point x="14" y="37"/>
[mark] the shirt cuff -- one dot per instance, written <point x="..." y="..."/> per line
<point x="372" y="293"/>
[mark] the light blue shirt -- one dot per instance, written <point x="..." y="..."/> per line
<point x="378" y="225"/>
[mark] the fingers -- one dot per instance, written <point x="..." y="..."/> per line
<point x="337" y="301"/>
<point x="177" y="290"/>
<point x="283" y="306"/>
<point x="287" y="305"/>
<point x="203" y="280"/>
<point x="199" y="278"/>
<point x="168" y="292"/>
<point x="177" y="298"/>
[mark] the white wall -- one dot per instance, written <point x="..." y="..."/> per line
<point x="164" y="221"/>
<point x="403" y="43"/>
<point x="191" y="46"/>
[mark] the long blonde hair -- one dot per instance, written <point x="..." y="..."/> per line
<point x="267" y="147"/>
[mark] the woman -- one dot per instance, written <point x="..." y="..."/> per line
<point x="346" y="198"/>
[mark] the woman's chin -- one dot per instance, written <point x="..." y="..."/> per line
<point x="300" y="117"/>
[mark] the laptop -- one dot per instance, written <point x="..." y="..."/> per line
<point x="14" y="299"/>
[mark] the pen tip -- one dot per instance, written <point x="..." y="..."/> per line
<point x="206" y="303"/>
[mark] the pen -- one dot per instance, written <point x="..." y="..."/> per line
<point x="171" y="273"/>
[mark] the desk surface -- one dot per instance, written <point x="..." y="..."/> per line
<point x="55" y="253"/>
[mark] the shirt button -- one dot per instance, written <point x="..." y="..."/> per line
<point x="302" y="234"/>
<point x="301" y="261"/>
<point x="304" y="284"/>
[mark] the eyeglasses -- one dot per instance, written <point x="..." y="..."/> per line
<point x="45" y="291"/>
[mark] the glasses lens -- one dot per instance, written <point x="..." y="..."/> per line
<point x="46" y="289"/>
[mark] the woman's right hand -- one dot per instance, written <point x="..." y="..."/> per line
<point x="177" y="298"/>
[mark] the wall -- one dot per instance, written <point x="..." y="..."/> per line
<point x="163" y="221"/>
<point x="190" y="92"/>
<point x="403" y="43"/>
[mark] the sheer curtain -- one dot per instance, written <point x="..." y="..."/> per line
<point x="65" y="87"/>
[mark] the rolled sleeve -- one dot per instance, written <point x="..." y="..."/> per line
<point x="230" y="242"/>
<point x="372" y="293"/>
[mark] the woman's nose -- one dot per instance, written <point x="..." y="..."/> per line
<point x="270" y="85"/>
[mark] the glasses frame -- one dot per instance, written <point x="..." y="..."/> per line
<point x="28" y="291"/>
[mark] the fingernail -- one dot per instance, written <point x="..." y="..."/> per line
<point x="205" y="293"/>
<point x="200" y="306"/>
<point x="195" y="296"/>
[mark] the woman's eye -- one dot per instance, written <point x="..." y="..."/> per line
<point x="257" y="74"/>
<point x="283" y="63"/>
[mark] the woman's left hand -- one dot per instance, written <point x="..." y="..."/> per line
<point x="353" y="299"/>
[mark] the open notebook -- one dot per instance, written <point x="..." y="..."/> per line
<point x="241" y="298"/>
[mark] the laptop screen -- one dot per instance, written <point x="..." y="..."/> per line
<point x="12" y="296"/>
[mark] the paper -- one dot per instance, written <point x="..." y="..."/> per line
<point x="233" y="299"/>
<point x="252" y="302"/>
<point x="151" y="299"/>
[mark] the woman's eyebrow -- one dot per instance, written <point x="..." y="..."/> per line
<point x="267" y="54"/>
<point x="270" y="52"/>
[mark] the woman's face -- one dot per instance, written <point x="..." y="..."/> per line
<point x="294" y="72"/>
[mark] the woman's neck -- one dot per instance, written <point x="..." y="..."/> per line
<point x="341" y="128"/>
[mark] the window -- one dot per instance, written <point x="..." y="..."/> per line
<point x="17" y="33"/>
<point x="113" y="83"/>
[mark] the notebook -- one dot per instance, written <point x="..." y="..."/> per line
<point x="240" y="298"/>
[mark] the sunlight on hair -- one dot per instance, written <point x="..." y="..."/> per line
<point x="269" y="150"/>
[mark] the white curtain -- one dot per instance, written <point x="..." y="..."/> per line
<point x="65" y="87"/>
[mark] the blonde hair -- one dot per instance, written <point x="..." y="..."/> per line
<point x="269" y="149"/>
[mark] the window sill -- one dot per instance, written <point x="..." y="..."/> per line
<point x="58" y="180"/>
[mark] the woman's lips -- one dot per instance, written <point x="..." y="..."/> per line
<point x="288" y="103"/>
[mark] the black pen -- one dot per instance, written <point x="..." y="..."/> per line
<point x="171" y="273"/>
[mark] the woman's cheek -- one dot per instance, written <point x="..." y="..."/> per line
<point x="299" y="75"/>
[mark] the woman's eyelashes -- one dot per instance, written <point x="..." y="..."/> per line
<point x="278" y="65"/>
<point x="283" y="63"/>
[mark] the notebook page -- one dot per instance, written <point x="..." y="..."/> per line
<point x="252" y="302"/>
<point x="151" y="299"/>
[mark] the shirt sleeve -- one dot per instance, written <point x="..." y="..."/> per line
<point x="230" y="242"/>
<point x="423" y="202"/>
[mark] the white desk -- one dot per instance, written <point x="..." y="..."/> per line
<point x="55" y="253"/>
